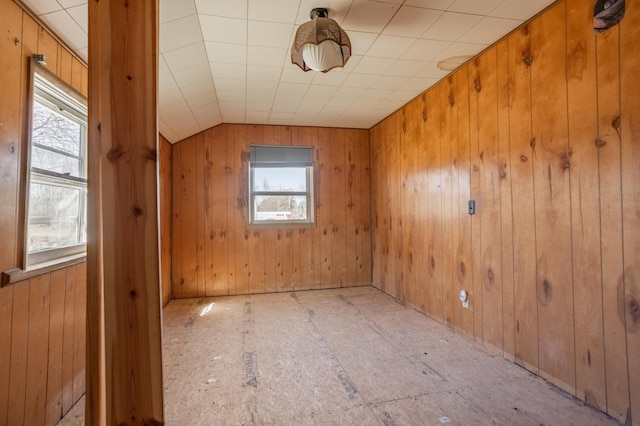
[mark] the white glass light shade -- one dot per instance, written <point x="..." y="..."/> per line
<point x="323" y="56"/>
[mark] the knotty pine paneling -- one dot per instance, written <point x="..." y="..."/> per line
<point x="541" y="130"/>
<point x="213" y="252"/>
<point x="42" y="324"/>
<point x="164" y="204"/>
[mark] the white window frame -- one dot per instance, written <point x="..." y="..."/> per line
<point x="281" y="157"/>
<point x="53" y="93"/>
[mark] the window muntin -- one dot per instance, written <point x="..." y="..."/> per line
<point x="56" y="197"/>
<point x="280" y="185"/>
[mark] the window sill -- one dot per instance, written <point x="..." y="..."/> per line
<point x="14" y="275"/>
<point x="282" y="225"/>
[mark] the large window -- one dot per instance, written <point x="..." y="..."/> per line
<point x="57" y="189"/>
<point x="281" y="185"/>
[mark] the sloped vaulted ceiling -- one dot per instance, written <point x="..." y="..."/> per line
<point x="229" y="61"/>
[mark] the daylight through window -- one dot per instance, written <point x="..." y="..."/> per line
<point x="56" y="218"/>
<point x="281" y="185"/>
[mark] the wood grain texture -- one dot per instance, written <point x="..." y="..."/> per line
<point x="240" y="260"/>
<point x="165" y="183"/>
<point x="124" y="104"/>
<point x="543" y="116"/>
<point x="630" y="154"/>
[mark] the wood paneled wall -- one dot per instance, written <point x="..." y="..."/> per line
<point x="213" y="251"/>
<point x="542" y="130"/>
<point x="164" y="204"/>
<point x="42" y="320"/>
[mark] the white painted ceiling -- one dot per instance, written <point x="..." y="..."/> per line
<point x="228" y="61"/>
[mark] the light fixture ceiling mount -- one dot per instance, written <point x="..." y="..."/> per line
<point x="320" y="44"/>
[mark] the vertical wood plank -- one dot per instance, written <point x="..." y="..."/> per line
<point x="6" y="308"/>
<point x="177" y="280"/>
<point x="231" y="169"/>
<point x="189" y="220"/>
<point x="610" y="211"/>
<point x="68" y="351"/>
<point x="10" y="143"/>
<point x="200" y="198"/>
<point x="475" y="296"/>
<point x="630" y="150"/>
<point x="165" y="182"/>
<point x="551" y="162"/>
<point x="489" y="201"/>
<point x="79" y="332"/>
<point x="218" y="255"/>
<point x="53" y="412"/>
<point x="449" y="294"/>
<point x="521" y="159"/>
<point x="19" y="346"/>
<point x="338" y="213"/>
<point x="37" y="353"/>
<point x="123" y="49"/>
<point x="351" y="207"/>
<point x="323" y="206"/>
<point x="48" y="46"/>
<point x="585" y="218"/>
<point x="506" y="206"/>
<point x="209" y="204"/>
<point x="366" y="215"/>
<point x="241" y="147"/>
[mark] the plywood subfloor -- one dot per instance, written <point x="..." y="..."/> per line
<point x="340" y="357"/>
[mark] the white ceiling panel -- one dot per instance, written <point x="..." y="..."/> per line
<point x="229" y="61"/>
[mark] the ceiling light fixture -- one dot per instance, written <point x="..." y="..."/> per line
<point x="320" y="44"/>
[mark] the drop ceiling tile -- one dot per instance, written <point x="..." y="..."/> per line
<point x="287" y="99"/>
<point x="337" y="102"/>
<point x="296" y="75"/>
<point x="166" y="131"/>
<point x="83" y="53"/>
<point x="206" y="117"/>
<point x="80" y="14"/>
<point x="431" y="70"/>
<point x="175" y="109"/>
<point x="362" y="105"/>
<point x="313" y="102"/>
<point x="335" y="77"/>
<point x="361" y="42"/>
<point x="280" y="115"/>
<point x="292" y="89"/>
<point x="203" y="88"/>
<point x="289" y="108"/>
<point x="261" y="97"/>
<point x="369" y="16"/>
<point x="169" y="97"/>
<point x="228" y="71"/>
<point x="229" y="95"/>
<point x="256" y="116"/>
<point x="419" y="84"/>
<point x="223" y="30"/>
<point x="489" y="30"/>
<point x="460" y="49"/>
<point x="266" y="56"/>
<point x="389" y="82"/>
<point x="402" y="95"/>
<point x="230" y="9"/>
<point x="273" y="10"/>
<point x="387" y="46"/>
<point x="176" y="9"/>
<point x="41" y="7"/>
<point x="185" y="57"/>
<point x="391" y="105"/>
<point x="179" y="33"/>
<point x="350" y="92"/>
<point x="263" y="73"/>
<point x="255" y="86"/>
<point x="207" y="99"/>
<point x="371" y="65"/>
<point x="425" y="50"/>
<point x="271" y="34"/>
<point x="474" y="6"/>
<point x="337" y="9"/>
<point x="227" y="53"/>
<point x="376" y="94"/>
<point x="61" y="22"/>
<point x="451" y="26"/>
<point x="430" y="4"/>
<point x="404" y="68"/>
<point x="258" y="107"/>
<point x="66" y="4"/>
<point x="167" y="83"/>
<point x="411" y="21"/>
<point x="360" y="80"/>
<point x="163" y="69"/>
<point x="518" y="9"/>
<point x="227" y="84"/>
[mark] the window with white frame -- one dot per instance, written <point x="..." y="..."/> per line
<point x="57" y="182"/>
<point x="281" y="186"/>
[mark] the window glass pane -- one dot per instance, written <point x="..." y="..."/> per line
<point x="55" y="162"/>
<point x="281" y="179"/>
<point x="280" y="207"/>
<point x="55" y="131"/>
<point x="54" y="213"/>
